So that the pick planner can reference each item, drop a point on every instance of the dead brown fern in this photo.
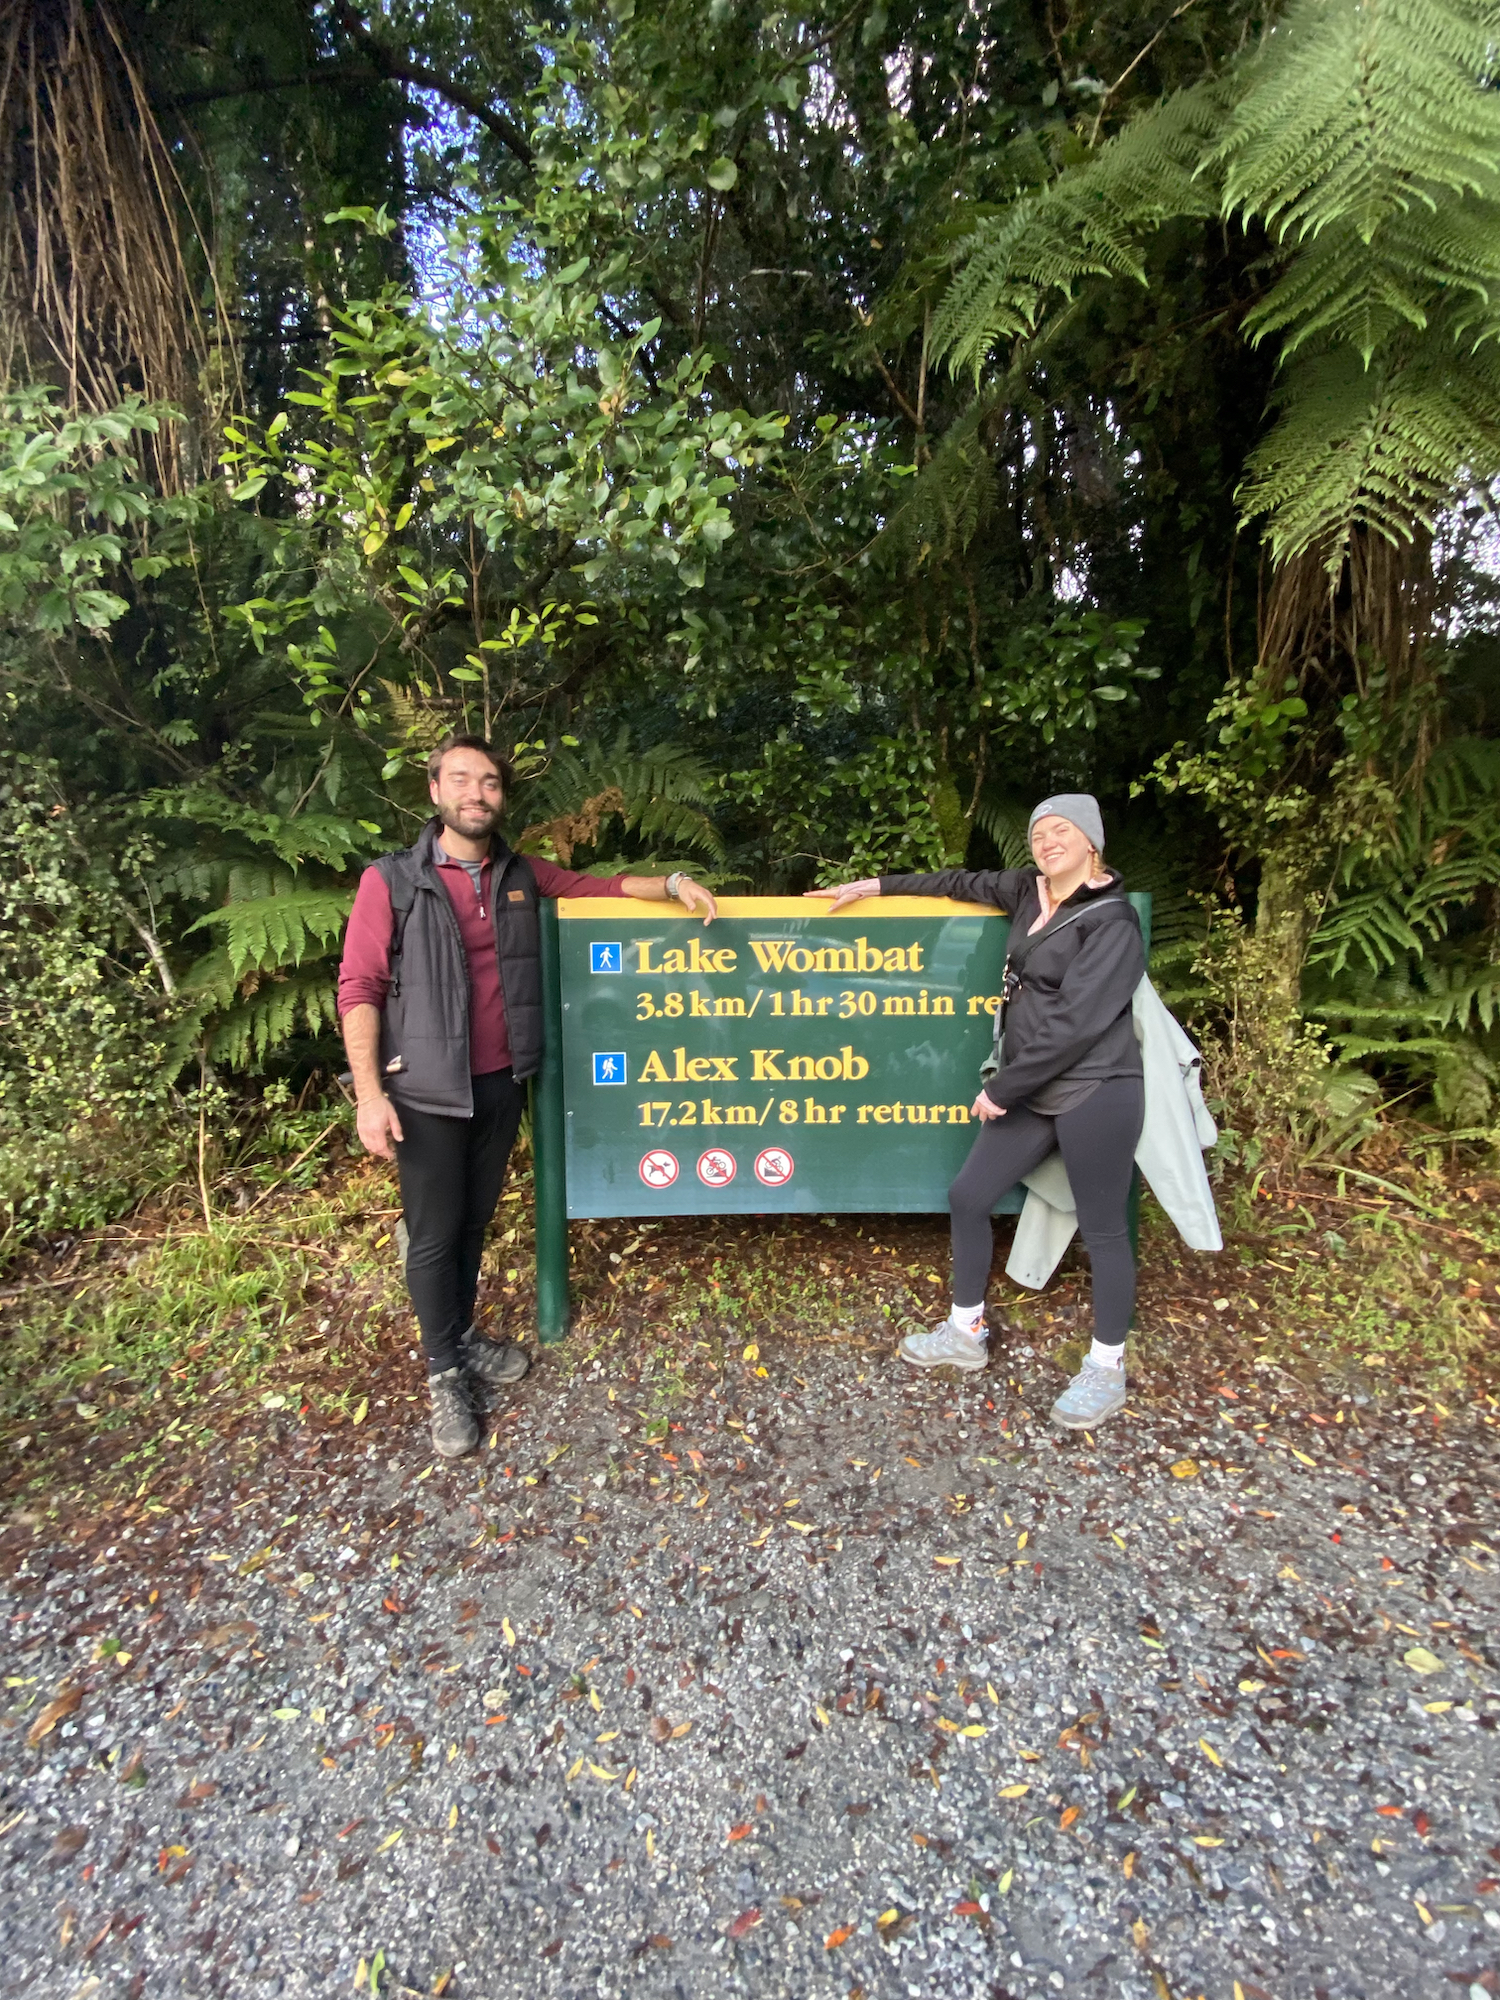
(575, 829)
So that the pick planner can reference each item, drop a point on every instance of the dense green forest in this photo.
(803, 437)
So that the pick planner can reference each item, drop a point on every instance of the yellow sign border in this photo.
(765, 907)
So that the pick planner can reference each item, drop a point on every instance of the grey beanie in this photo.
(1080, 809)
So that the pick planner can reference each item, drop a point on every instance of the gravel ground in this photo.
(846, 1683)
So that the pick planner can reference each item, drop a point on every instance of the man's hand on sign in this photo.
(847, 892)
(985, 1107)
(697, 900)
(378, 1125)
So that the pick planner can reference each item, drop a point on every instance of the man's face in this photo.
(467, 794)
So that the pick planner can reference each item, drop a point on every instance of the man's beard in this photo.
(472, 822)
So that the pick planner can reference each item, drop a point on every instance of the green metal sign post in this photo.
(777, 1060)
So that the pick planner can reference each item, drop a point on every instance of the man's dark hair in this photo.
(458, 741)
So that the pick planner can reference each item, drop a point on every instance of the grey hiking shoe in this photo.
(496, 1363)
(945, 1346)
(1094, 1394)
(455, 1428)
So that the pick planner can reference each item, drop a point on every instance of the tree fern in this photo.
(1364, 136)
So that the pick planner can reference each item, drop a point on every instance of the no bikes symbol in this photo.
(716, 1168)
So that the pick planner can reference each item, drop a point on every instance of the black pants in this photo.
(1098, 1143)
(452, 1170)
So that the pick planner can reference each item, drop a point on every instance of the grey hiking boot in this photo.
(455, 1428)
(496, 1363)
(945, 1346)
(1094, 1394)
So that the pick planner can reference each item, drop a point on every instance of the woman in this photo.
(1066, 1076)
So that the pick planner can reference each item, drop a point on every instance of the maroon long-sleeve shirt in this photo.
(365, 971)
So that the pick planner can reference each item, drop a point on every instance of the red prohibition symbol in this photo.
(716, 1168)
(774, 1167)
(658, 1168)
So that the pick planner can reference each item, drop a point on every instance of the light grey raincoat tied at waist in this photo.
(1176, 1134)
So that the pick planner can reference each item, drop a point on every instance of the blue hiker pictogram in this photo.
(606, 958)
(610, 1068)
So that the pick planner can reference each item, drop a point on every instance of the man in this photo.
(441, 1003)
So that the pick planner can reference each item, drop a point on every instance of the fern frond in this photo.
(659, 793)
(272, 931)
(1004, 820)
(1091, 222)
(251, 1031)
(320, 837)
(953, 497)
(1361, 111)
(1377, 448)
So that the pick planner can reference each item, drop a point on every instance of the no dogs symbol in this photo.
(658, 1168)
(773, 1167)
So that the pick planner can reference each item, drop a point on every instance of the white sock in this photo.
(970, 1318)
(1104, 1356)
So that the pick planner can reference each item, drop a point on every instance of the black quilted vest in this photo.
(424, 1032)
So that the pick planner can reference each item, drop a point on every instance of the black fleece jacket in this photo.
(1070, 1023)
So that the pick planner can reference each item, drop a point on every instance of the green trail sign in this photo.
(777, 1059)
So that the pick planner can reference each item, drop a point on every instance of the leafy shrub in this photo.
(88, 1119)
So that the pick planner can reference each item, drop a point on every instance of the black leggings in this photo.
(452, 1170)
(1097, 1142)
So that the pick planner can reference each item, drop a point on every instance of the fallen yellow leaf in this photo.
(1210, 1753)
(1184, 1468)
(1014, 1791)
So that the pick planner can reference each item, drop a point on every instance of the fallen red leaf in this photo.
(739, 1832)
(393, 1605)
(1390, 1812)
(745, 1921)
(1422, 1823)
(1069, 1816)
(966, 1910)
(841, 1936)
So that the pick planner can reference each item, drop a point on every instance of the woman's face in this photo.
(1058, 846)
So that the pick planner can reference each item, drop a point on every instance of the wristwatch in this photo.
(673, 884)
